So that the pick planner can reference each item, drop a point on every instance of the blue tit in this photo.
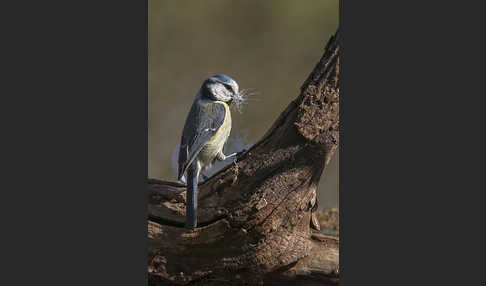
(206, 130)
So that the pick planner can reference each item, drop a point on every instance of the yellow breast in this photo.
(216, 143)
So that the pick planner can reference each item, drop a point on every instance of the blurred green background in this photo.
(270, 46)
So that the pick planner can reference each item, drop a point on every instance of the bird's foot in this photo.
(235, 155)
(231, 156)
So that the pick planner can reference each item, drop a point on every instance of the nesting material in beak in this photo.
(241, 97)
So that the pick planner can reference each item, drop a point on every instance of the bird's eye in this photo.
(229, 87)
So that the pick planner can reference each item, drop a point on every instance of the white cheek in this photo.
(220, 93)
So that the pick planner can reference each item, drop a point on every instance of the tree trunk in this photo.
(256, 215)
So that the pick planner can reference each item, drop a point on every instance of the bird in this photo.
(206, 130)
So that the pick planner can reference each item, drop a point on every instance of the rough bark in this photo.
(256, 215)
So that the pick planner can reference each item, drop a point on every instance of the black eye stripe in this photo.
(228, 87)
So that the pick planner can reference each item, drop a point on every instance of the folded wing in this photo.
(203, 121)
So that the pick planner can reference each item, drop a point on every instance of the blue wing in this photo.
(203, 121)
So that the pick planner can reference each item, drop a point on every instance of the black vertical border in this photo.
(401, 190)
(74, 143)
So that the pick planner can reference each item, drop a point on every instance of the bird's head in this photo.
(220, 87)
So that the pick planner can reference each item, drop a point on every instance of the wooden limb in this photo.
(255, 215)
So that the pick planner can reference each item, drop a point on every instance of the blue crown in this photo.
(223, 78)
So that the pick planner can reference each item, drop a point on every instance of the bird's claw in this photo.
(236, 155)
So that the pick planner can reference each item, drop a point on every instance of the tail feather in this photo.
(191, 196)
